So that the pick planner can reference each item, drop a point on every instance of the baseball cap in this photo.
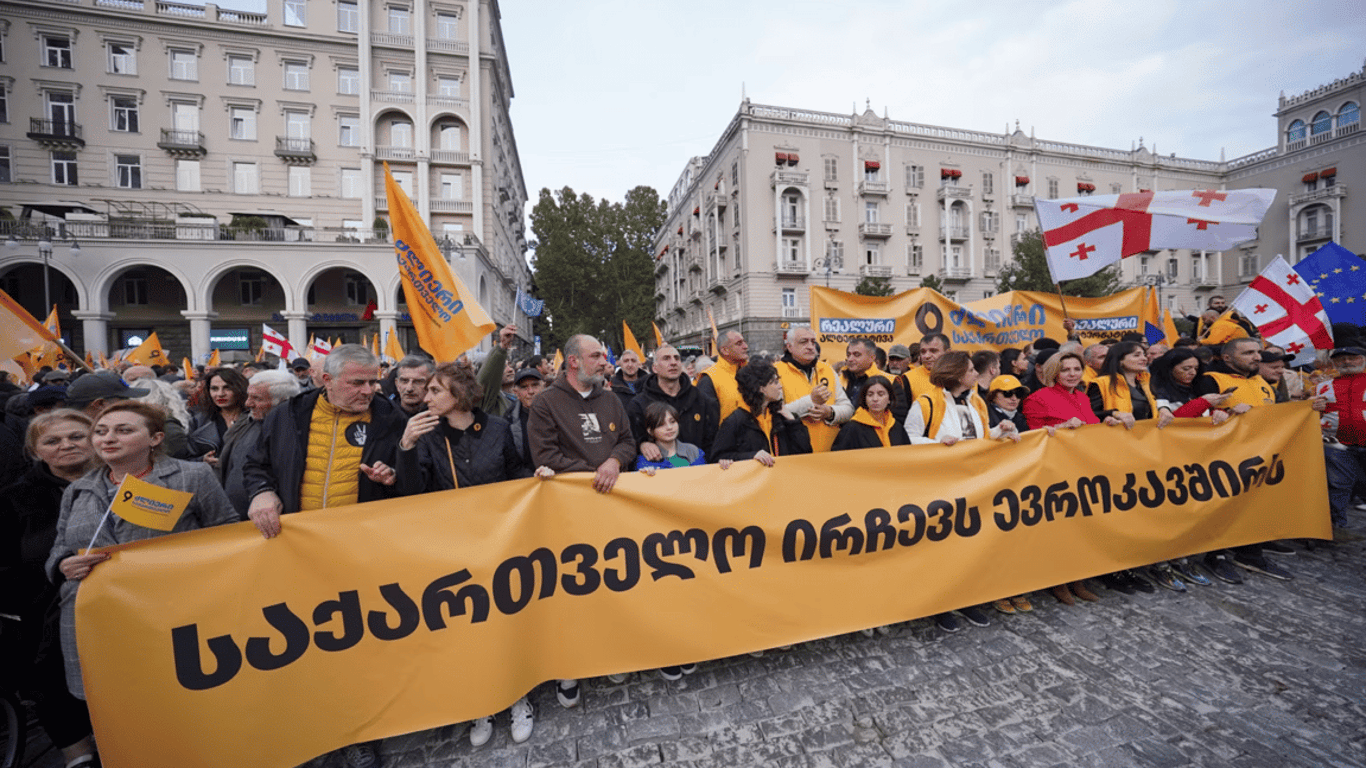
(527, 373)
(300, 362)
(1008, 384)
(1348, 351)
(1270, 357)
(899, 351)
(104, 385)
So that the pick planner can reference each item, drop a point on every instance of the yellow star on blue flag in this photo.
(1338, 279)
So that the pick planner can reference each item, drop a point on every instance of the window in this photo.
(450, 137)
(184, 65)
(832, 208)
(1143, 265)
(348, 17)
(401, 133)
(4, 103)
(735, 174)
(357, 289)
(242, 123)
(349, 126)
(870, 213)
(915, 176)
(1323, 124)
(6, 169)
(832, 166)
(404, 180)
(125, 114)
(912, 214)
(245, 180)
(296, 13)
(1350, 114)
(300, 181)
(298, 125)
(296, 76)
(399, 20)
(447, 26)
(1052, 188)
(915, 257)
(241, 70)
(452, 186)
(1021, 222)
(351, 184)
(135, 289)
(128, 171)
(122, 59)
(872, 253)
(988, 184)
(792, 250)
(1173, 268)
(448, 86)
(187, 175)
(1295, 132)
(61, 109)
(789, 298)
(871, 174)
(251, 287)
(834, 250)
(791, 211)
(991, 221)
(348, 81)
(400, 82)
(57, 51)
(64, 168)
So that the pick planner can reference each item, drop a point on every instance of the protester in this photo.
(760, 428)
(58, 442)
(860, 365)
(917, 379)
(812, 389)
(91, 392)
(988, 367)
(697, 415)
(495, 379)
(303, 371)
(1013, 363)
(1172, 386)
(265, 390)
(226, 401)
(1271, 369)
(410, 383)
(178, 418)
(1341, 400)
(718, 381)
(873, 425)
(898, 359)
(1094, 357)
(127, 438)
(526, 385)
(629, 380)
(1004, 395)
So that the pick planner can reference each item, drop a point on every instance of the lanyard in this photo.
(451, 458)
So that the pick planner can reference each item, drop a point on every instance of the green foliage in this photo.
(874, 286)
(933, 282)
(1028, 271)
(593, 264)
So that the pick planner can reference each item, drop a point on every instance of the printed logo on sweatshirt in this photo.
(588, 422)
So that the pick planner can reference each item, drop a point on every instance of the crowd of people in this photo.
(253, 443)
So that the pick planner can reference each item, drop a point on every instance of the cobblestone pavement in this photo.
(1259, 675)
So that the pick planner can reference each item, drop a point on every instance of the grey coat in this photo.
(84, 504)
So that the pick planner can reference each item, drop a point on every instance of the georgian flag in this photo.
(1286, 311)
(1083, 235)
(321, 348)
(273, 343)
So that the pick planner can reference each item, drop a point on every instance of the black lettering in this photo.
(1177, 478)
(809, 540)
(189, 671)
(1127, 498)
(347, 605)
(877, 525)
(929, 319)
(1252, 473)
(967, 520)
(294, 630)
(1217, 468)
(525, 567)
(752, 534)
(408, 615)
(1093, 490)
(588, 577)
(833, 538)
(1277, 473)
(944, 527)
(629, 550)
(1009, 521)
(659, 545)
(907, 512)
(438, 596)
(1157, 497)
(1033, 513)
(1058, 499)
(1200, 489)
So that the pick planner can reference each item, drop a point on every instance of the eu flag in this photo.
(1339, 278)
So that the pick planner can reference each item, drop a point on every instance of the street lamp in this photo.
(1157, 281)
(831, 263)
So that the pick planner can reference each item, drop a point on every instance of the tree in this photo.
(874, 286)
(592, 263)
(932, 282)
(1029, 272)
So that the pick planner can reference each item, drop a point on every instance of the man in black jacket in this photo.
(697, 415)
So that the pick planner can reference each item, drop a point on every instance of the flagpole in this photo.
(107, 511)
(72, 356)
(1061, 300)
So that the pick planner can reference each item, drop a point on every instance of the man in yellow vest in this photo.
(812, 390)
(1094, 356)
(1235, 373)
(718, 382)
(860, 365)
(918, 378)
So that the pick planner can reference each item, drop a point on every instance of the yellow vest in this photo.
(1224, 330)
(862, 416)
(797, 386)
(1254, 391)
(919, 380)
(1088, 375)
(332, 463)
(937, 405)
(722, 375)
(1120, 399)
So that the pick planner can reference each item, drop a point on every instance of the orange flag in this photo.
(445, 315)
(629, 340)
(659, 337)
(374, 344)
(215, 360)
(148, 353)
(392, 349)
(188, 368)
(19, 331)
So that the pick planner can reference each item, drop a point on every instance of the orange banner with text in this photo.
(395, 616)
(1011, 319)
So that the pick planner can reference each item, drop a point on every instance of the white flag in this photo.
(1286, 311)
(273, 343)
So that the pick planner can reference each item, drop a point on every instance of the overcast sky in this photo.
(615, 93)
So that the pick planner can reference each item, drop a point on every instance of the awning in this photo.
(1021, 181)
(57, 208)
(696, 211)
(272, 217)
(792, 158)
(780, 157)
(1328, 173)
(1308, 177)
(871, 165)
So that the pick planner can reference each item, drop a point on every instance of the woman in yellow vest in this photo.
(759, 428)
(1121, 389)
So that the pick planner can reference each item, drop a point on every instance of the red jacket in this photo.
(1054, 405)
(1347, 398)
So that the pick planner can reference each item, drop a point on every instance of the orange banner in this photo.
(377, 619)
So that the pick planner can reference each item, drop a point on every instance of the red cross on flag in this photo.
(1287, 312)
(273, 343)
(1083, 235)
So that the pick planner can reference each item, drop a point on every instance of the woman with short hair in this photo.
(759, 428)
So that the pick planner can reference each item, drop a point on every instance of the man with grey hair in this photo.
(1094, 356)
(265, 390)
(410, 384)
(718, 381)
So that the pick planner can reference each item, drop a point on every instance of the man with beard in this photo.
(697, 415)
(811, 390)
(1343, 401)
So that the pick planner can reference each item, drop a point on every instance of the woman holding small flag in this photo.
(183, 496)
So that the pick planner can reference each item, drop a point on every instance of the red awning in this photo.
(666, 250)
(792, 158)
(1308, 177)
(696, 211)
(957, 174)
(1328, 173)
(1021, 181)
(680, 230)
(1085, 187)
(945, 173)
(871, 165)
(780, 157)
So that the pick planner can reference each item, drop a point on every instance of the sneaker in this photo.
(1138, 582)
(1115, 582)
(1167, 578)
(688, 669)
(1190, 572)
(947, 622)
(1064, 595)
(1079, 589)
(1276, 548)
(975, 616)
(1004, 606)
(360, 756)
(523, 720)
(481, 731)
(1222, 569)
(618, 678)
(1263, 566)
(1022, 603)
(671, 673)
(568, 693)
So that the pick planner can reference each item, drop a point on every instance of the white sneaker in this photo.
(481, 731)
(568, 693)
(523, 720)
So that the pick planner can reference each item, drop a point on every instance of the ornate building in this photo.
(789, 198)
(198, 171)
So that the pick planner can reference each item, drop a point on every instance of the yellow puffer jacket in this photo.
(332, 465)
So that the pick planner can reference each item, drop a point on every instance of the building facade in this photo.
(790, 198)
(198, 171)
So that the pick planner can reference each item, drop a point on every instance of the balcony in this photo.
(788, 178)
(874, 270)
(440, 45)
(915, 269)
(454, 102)
(1206, 281)
(295, 150)
(1327, 193)
(956, 232)
(62, 134)
(1022, 201)
(182, 143)
(792, 224)
(792, 313)
(391, 97)
(874, 188)
(1315, 233)
(955, 274)
(716, 200)
(445, 205)
(792, 268)
(395, 153)
(391, 40)
(450, 157)
(953, 193)
(874, 229)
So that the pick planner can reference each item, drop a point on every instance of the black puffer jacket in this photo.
(485, 453)
(740, 437)
(698, 416)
